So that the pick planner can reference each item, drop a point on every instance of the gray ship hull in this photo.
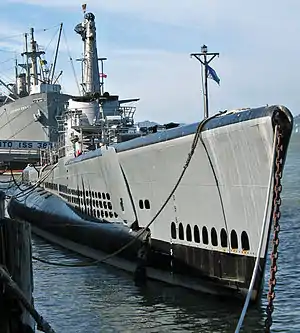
(30, 118)
(17, 120)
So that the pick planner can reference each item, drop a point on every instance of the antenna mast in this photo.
(206, 60)
(56, 53)
(102, 75)
(27, 63)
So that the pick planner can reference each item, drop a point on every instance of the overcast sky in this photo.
(148, 44)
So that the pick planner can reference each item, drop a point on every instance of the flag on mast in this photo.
(211, 74)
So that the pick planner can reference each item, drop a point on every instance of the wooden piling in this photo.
(16, 260)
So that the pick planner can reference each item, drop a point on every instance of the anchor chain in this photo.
(276, 227)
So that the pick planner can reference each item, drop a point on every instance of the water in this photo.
(103, 299)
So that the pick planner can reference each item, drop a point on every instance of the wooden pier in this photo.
(15, 265)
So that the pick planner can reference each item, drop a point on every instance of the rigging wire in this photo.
(71, 61)
(22, 34)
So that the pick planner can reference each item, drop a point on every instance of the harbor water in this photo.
(104, 299)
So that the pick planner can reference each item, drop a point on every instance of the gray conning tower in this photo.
(90, 68)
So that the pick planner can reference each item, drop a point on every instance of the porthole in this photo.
(214, 237)
(188, 233)
(147, 204)
(102, 213)
(94, 212)
(196, 234)
(87, 193)
(224, 238)
(204, 235)
(111, 215)
(97, 203)
(106, 214)
(98, 213)
(181, 232)
(173, 230)
(109, 205)
(99, 195)
(92, 194)
(94, 203)
(105, 204)
(103, 195)
(101, 205)
(107, 196)
(141, 204)
(234, 240)
(116, 215)
(245, 241)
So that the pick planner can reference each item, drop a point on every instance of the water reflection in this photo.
(104, 299)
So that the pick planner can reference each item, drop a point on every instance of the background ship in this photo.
(202, 192)
(29, 106)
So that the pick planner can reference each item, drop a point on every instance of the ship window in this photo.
(98, 213)
(224, 240)
(196, 234)
(97, 204)
(106, 214)
(111, 215)
(245, 241)
(205, 235)
(141, 204)
(101, 205)
(92, 194)
(214, 237)
(105, 204)
(173, 230)
(94, 203)
(109, 206)
(94, 212)
(107, 196)
(234, 240)
(188, 233)
(147, 204)
(103, 195)
(99, 195)
(87, 193)
(181, 232)
(87, 201)
(116, 215)
(102, 213)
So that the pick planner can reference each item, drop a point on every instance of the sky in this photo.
(148, 46)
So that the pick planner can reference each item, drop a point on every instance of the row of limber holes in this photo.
(195, 236)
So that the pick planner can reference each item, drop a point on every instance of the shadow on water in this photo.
(104, 299)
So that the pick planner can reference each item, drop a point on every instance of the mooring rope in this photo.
(265, 219)
(41, 322)
(142, 231)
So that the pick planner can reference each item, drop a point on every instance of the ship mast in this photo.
(90, 71)
(52, 72)
(27, 63)
(206, 60)
(33, 54)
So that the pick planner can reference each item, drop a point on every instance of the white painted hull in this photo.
(222, 194)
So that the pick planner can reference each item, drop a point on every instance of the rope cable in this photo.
(142, 231)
